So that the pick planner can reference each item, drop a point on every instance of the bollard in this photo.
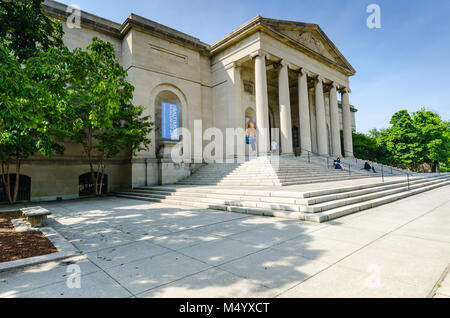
(409, 188)
(382, 173)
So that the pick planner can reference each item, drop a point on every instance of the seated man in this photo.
(338, 165)
(368, 166)
(373, 168)
(337, 161)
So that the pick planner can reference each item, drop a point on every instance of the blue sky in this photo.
(403, 65)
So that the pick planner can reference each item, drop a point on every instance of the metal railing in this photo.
(351, 168)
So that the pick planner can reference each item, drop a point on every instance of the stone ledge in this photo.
(65, 249)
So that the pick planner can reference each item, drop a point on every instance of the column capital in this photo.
(260, 53)
(345, 90)
(284, 63)
(319, 79)
(303, 71)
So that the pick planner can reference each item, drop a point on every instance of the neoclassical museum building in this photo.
(273, 73)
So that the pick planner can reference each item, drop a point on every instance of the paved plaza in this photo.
(138, 249)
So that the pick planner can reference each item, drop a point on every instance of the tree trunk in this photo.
(16, 186)
(7, 180)
(88, 150)
(101, 167)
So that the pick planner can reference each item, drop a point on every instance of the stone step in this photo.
(350, 209)
(280, 182)
(269, 178)
(317, 217)
(267, 196)
(308, 194)
(291, 204)
(322, 207)
(271, 193)
(274, 174)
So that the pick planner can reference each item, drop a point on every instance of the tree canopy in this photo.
(412, 140)
(50, 94)
(31, 80)
(105, 122)
(25, 30)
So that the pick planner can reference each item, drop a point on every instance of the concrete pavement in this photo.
(138, 249)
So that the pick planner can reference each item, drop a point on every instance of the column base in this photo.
(348, 155)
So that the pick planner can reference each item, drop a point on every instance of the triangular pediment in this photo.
(311, 38)
(310, 41)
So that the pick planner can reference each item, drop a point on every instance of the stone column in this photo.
(287, 148)
(347, 124)
(335, 123)
(305, 119)
(262, 104)
(322, 138)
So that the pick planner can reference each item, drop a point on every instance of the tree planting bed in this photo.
(16, 246)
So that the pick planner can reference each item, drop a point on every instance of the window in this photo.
(249, 87)
(24, 188)
(87, 187)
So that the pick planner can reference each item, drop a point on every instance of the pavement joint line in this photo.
(421, 238)
(107, 274)
(174, 281)
(441, 279)
(211, 266)
(363, 247)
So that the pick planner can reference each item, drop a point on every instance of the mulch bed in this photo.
(15, 246)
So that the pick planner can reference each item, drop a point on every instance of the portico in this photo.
(293, 77)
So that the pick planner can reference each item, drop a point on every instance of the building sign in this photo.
(170, 121)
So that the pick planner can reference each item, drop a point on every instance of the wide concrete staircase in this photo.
(315, 206)
(268, 171)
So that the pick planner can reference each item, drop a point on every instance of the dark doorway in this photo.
(24, 188)
(87, 186)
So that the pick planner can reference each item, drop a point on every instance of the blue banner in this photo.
(170, 121)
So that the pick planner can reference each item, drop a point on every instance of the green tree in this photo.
(25, 30)
(414, 139)
(400, 140)
(28, 112)
(30, 79)
(433, 137)
(365, 147)
(105, 122)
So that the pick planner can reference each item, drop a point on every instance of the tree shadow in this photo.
(231, 255)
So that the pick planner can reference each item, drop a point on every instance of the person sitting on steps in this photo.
(338, 165)
(368, 166)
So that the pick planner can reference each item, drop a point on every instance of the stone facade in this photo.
(286, 75)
